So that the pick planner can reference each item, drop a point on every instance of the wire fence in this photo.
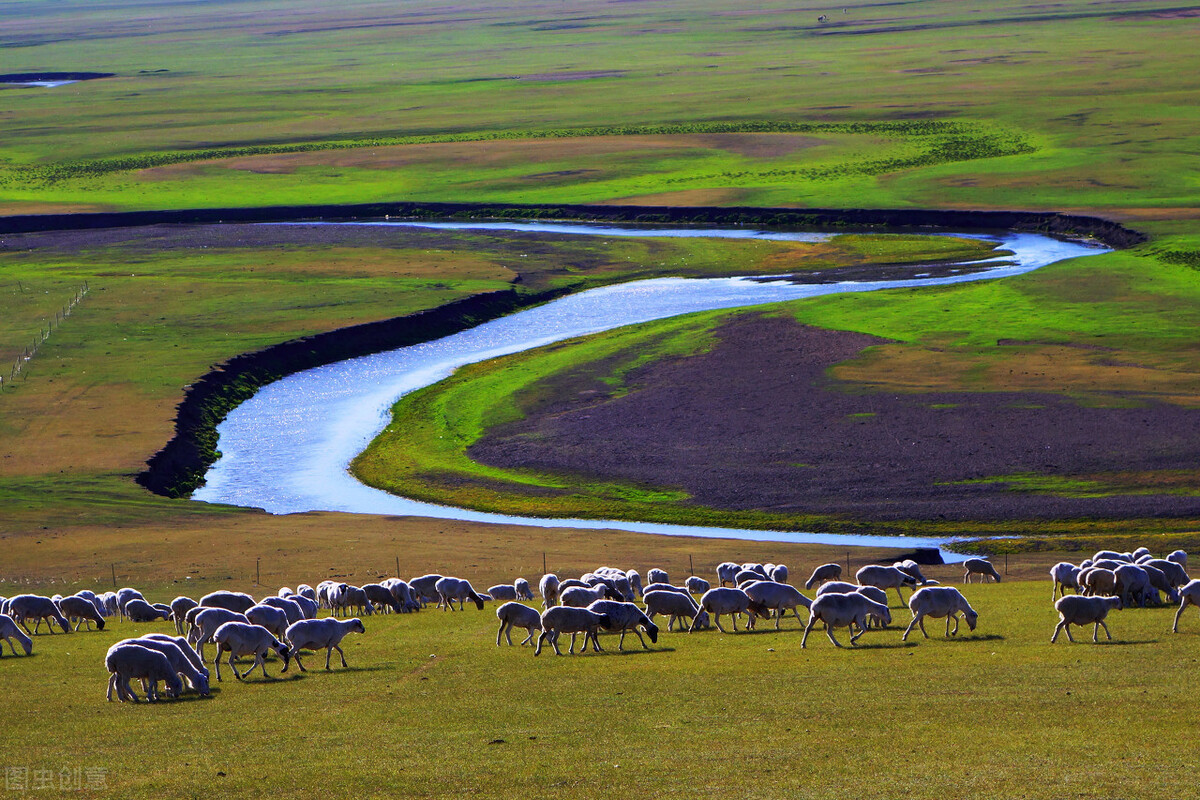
(29, 351)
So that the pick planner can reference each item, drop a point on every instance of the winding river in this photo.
(287, 449)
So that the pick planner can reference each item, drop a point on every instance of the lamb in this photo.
(1189, 595)
(842, 611)
(232, 601)
(727, 571)
(981, 567)
(517, 615)
(9, 630)
(179, 608)
(523, 590)
(451, 589)
(379, 595)
(697, 585)
(206, 622)
(779, 573)
(1065, 576)
(779, 597)
(675, 607)
(548, 588)
(1096, 581)
(245, 639)
(81, 609)
(1078, 610)
(939, 601)
(885, 578)
(657, 576)
(502, 591)
(620, 617)
(33, 606)
(273, 619)
(138, 610)
(425, 587)
(197, 677)
(568, 619)
(127, 661)
(313, 634)
(295, 610)
(724, 600)
(579, 597)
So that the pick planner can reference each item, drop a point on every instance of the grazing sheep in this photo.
(665, 587)
(345, 598)
(842, 611)
(323, 590)
(778, 597)
(1079, 610)
(294, 609)
(9, 630)
(1096, 582)
(1179, 557)
(759, 569)
(779, 573)
(657, 576)
(379, 595)
(33, 606)
(838, 587)
(727, 571)
(676, 607)
(548, 588)
(1188, 595)
(568, 619)
(502, 591)
(188, 651)
(124, 595)
(872, 593)
(180, 606)
(1111, 555)
(748, 576)
(1108, 563)
(138, 610)
(580, 597)
(1132, 584)
(246, 639)
(178, 656)
(127, 661)
(517, 615)
(635, 581)
(1176, 574)
(273, 619)
(620, 616)
(451, 589)
(231, 601)
(403, 593)
(981, 567)
(697, 585)
(206, 622)
(524, 592)
(1159, 581)
(1065, 576)
(885, 578)
(725, 600)
(81, 609)
(313, 634)
(912, 568)
(307, 592)
(425, 587)
(937, 602)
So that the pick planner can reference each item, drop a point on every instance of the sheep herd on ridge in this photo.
(287, 623)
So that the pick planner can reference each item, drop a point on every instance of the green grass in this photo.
(435, 709)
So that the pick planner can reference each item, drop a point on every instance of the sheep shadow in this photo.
(981, 637)
(639, 651)
(879, 646)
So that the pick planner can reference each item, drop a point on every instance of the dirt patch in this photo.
(758, 423)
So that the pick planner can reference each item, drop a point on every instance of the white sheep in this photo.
(1065, 576)
(517, 615)
(246, 639)
(981, 567)
(9, 630)
(1179, 557)
(1175, 572)
(180, 657)
(1132, 585)
(1079, 610)
(502, 591)
(568, 619)
(401, 591)
(33, 606)
(232, 601)
(696, 585)
(1160, 583)
(138, 610)
(425, 587)
(524, 592)
(313, 634)
(1188, 595)
(294, 609)
(838, 587)
(727, 600)
(581, 597)
(938, 602)
(759, 569)
(81, 609)
(206, 622)
(778, 573)
(346, 598)
(727, 571)
(124, 595)
(377, 595)
(635, 581)
(129, 661)
(548, 588)
(748, 576)
(676, 607)
(657, 576)
(912, 568)
(273, 619)
(188, 651)
(620, 616)
(451, 589)
(842, 611)
(180, 606)
(872, 593)
(1097, 581)
(778, 597)
(885, 578)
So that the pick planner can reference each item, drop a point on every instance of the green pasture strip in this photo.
(437, 709)
(1165, 482)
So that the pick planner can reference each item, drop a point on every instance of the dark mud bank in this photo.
(1106, 231)
(177, 469)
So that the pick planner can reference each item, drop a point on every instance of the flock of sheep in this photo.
(602, 600)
